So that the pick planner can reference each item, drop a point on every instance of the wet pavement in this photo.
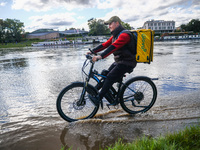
(31, 79)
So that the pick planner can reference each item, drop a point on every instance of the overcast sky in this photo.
(64, 14)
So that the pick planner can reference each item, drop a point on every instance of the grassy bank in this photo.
(27, 42)
(188, 139)
(20, 44)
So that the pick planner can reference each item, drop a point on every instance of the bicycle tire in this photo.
(138, 95)
(67, 103)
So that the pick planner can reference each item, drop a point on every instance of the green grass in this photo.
(20, 44)
(188, 139)
(64, 148)
(28, 42)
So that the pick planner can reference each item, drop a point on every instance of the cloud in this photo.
(60, 23)
(196, 2)
(3, 4)
(45, 5)
(56, 21)
(133, 12)
(137, 12)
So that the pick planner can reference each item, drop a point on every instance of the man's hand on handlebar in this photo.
(96, 58)
(91, 52)
(88, 53)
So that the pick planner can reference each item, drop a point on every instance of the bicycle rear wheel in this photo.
(67, 103)
(138, 95)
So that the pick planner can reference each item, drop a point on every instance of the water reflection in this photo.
(31, 79)
(13, 63)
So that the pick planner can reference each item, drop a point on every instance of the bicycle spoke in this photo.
(138, 105)
(125, 98)
(139, 95)
(71, 108)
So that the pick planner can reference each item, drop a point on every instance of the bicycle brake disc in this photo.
(77, 106)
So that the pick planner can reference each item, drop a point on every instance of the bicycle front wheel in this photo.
(138, 95)
(68, 102)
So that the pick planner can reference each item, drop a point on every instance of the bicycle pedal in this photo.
(101, 102)
(108, 106)
(113, 104)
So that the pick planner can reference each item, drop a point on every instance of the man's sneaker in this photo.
(110, 98)
(94, 99)
(112, 104)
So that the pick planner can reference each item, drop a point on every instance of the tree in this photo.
(193, 25)
(11, 30)
(72, 28)
(1, 30)
(126, 25)
(97, 27)
(183, 27)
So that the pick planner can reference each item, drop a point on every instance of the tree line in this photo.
(193, 25)
(11, 30)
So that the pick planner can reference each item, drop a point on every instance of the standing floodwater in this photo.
(31, 79)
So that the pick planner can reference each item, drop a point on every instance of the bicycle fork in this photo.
(81, 99)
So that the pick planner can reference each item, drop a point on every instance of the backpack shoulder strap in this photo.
(123, 31)
(133, 44)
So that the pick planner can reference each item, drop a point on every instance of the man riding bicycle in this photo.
(122, 46)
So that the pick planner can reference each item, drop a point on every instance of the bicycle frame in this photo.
(94, 75)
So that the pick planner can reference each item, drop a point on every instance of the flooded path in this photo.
(108, 127)
(31, 79)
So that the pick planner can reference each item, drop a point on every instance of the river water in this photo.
(31, 79)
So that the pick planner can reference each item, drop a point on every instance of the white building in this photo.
(160, 26)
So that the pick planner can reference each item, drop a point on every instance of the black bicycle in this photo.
(137, 95)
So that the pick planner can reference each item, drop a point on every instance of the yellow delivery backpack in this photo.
(144, 48)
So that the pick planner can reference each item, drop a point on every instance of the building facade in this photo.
(46, 35)
(160, 26)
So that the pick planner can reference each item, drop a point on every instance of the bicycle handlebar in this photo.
(88, 56)
(92, 52)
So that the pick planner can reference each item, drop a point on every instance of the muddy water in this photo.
(31, 78)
